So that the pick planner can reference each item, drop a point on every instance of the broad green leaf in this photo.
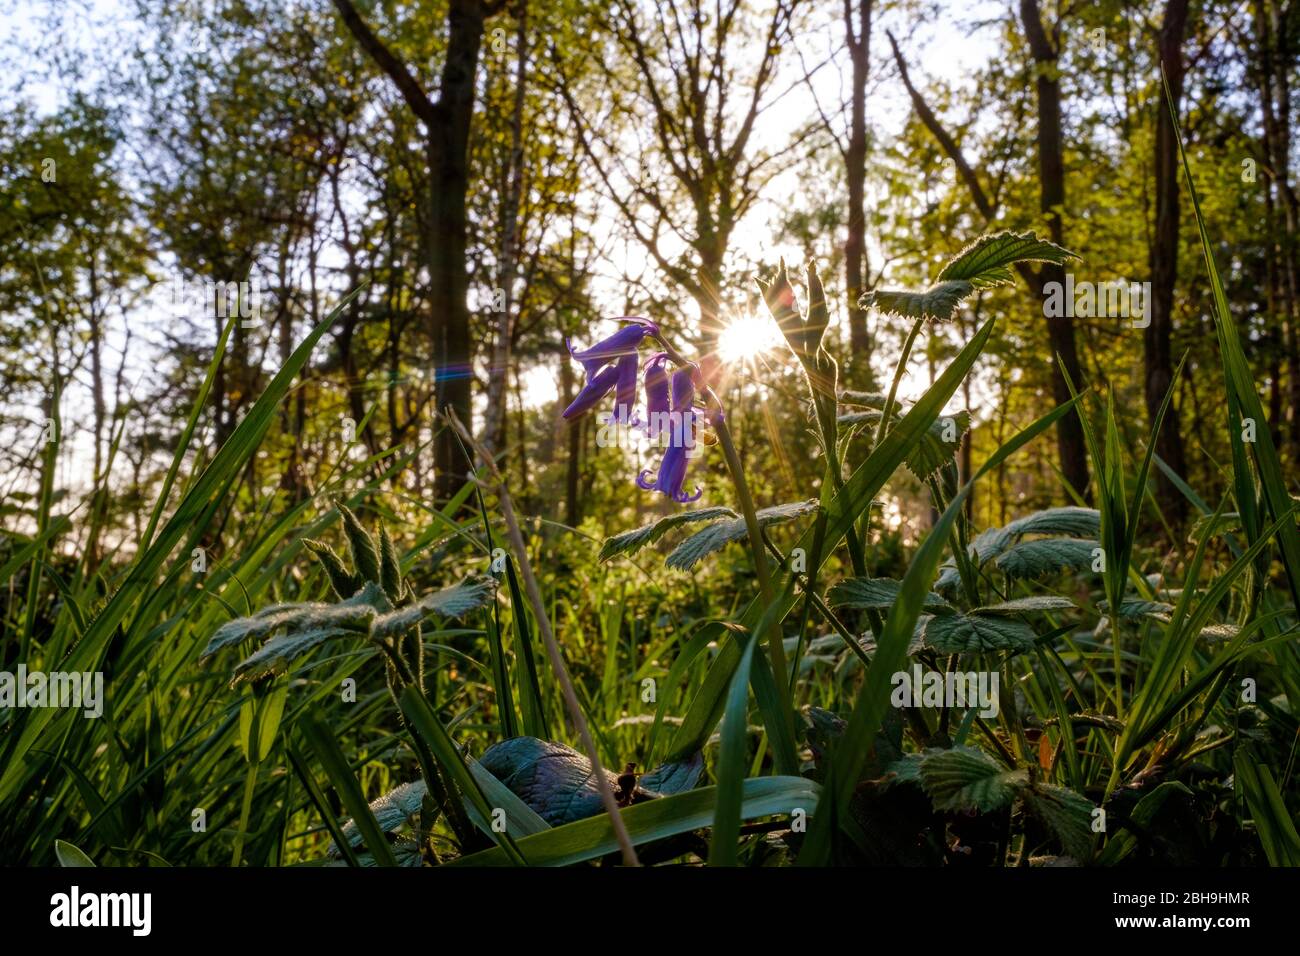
(1067, 814)
(629, 542)
(937, 302)
(877, 593)
(1044, 556)
(718, 535)
(964, 778)
(986, 263)
(962, 633)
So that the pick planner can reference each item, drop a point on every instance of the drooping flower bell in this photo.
(657, 406)
(612, 363)
(682, 440)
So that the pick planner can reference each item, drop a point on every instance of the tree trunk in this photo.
(1164, 268)
(856, 269)
(446, 146)
(447, 149)
(495, 424)
(1051, 174)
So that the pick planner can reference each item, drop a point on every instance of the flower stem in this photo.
(776, 647)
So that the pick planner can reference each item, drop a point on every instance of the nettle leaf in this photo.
(906, 769)
(343, 581)
(990, 543)
(1072, 521)
(716, 536)
(391, 811)
(1043, 556)
(472, 593)
(986, 263)
(365, 555)
(937, 302)
(964, 778)
(877, 593)
(938, 444)
(629, 542)
(275, 655)
(1067, 814)
(1136, 607)
(306, 631)
(1038, 602)
(959, 633)
(354, 613)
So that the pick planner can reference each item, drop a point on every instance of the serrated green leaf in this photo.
(717, 536)
(987, 262)
(459, 599)
(275, 655)
(1071, 521)
(959, 633)
(354, 613)
(1067, 814)
(937, 302)
(964, 778)
(1031, 559)
(1037, 602)
(629, 542)
(877, 593)
(390, 811)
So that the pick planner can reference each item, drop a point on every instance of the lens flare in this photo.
(746, 337)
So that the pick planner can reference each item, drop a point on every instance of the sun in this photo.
(746, 337)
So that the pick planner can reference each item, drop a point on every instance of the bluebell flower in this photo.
(657, 405)
(681, 442)
(612, 364)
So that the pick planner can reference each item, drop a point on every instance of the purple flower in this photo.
(612, 363)
(681, 442)
(656, 394)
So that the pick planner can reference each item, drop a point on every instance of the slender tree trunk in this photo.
(1163, 252)
(856, 267)
(447, 126)
(1273, 59)
(495, 424)
(447, 148)
(1051, 172)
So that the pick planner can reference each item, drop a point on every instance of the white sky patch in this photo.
(539, 388)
